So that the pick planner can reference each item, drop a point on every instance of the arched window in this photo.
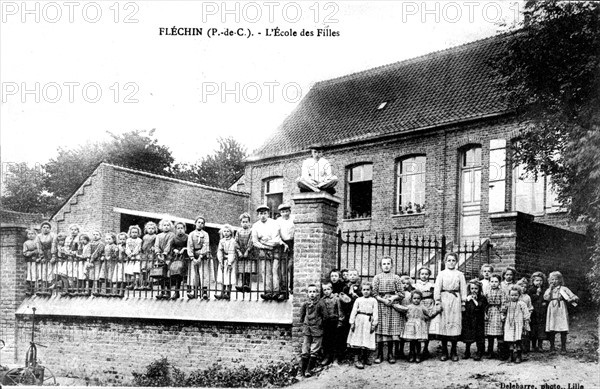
(410, 184)
(359, 191)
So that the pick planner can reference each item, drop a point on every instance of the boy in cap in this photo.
(266, 239)
(317, 174)
(286, 230)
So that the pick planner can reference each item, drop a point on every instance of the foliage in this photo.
(551, 70)
(23, 190)
(134, 149)
(162, 373)
(220, 169)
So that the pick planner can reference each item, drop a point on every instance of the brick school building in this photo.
(422, 150)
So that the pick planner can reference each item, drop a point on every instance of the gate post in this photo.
(315, 245)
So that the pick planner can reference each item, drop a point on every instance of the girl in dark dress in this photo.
(540, 306)
(473, 320)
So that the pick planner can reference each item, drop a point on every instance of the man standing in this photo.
(317, 175)
(266, 239)
(286, 231)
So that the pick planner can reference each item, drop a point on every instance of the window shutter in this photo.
(497, 176)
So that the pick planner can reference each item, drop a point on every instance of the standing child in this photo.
(118, 275)
(523, 283)
(134, 257)
(538, 316)
(84, 257)
(415, 329)
(198, 249)
(72, 247)
(31, 254)
(426, 287)
(59, 256)
(493, 314)
(227, 259)
(108, 259)
(163, 247)
(332, 325)
(148, 254)
(352, 291)
(311, 317)
(515, 314)
(46, 268)
(337, 285)
(473, 324)
(509, 278)
(557, 316)
(387, 289)
(363, 319)
(178, 268)
(486, 272)
(407, 289)
(451, 293)
(345, 276)
(245, 254)
(286, 229)
(97, 248)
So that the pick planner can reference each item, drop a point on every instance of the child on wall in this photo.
(46, 268)
(133, 252)
(496, 299)
(198, 250)
(148, 255)
(59, 256)
(108, 259)
(227, 259)
(31, 254)
(245, 254)
(332, 324)
(363, 320)
(473, 324)
(451, 293)
(426, 287)
(72, 247)
(178, 268)
(311, 317)
(538, 316)
(97, 249)
(118, 275)
(515, 314)
(163, 247)
(557, 316)
(387, 289)
(83, 266)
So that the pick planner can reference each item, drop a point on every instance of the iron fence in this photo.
(363, 252)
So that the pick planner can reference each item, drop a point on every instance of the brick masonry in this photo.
(442, 148)
(107, 351)
(108, 187)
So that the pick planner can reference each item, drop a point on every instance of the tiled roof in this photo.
(439, 88)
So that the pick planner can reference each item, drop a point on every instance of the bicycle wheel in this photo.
(19, 376)
(47, 379)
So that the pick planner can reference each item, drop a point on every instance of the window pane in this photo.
(273, 202)
(274, 186)
(361, 173)
(467, 181)
(472, 157)
(360, 196)
(529, 192)
(411, 183)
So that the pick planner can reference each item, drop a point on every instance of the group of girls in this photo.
(499, 308)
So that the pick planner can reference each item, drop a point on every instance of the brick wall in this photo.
(12, 285)
(109, 187)
(108, 350)
(442, 149)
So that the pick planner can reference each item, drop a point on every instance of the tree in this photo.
(24, 190)
(551, 70)
(134, 149)
(220, 169)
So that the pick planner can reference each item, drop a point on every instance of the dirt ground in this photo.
(578, 367)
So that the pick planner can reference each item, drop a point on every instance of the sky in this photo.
(71, 71)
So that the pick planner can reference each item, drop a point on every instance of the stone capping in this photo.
(313, 197)
(235, 311)
(497, 216)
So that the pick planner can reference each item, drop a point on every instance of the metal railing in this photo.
(363, 252)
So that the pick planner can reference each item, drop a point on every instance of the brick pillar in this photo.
(12, 287)
(315, 244)
(504, 237)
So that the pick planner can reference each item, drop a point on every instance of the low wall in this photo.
(108, 350)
